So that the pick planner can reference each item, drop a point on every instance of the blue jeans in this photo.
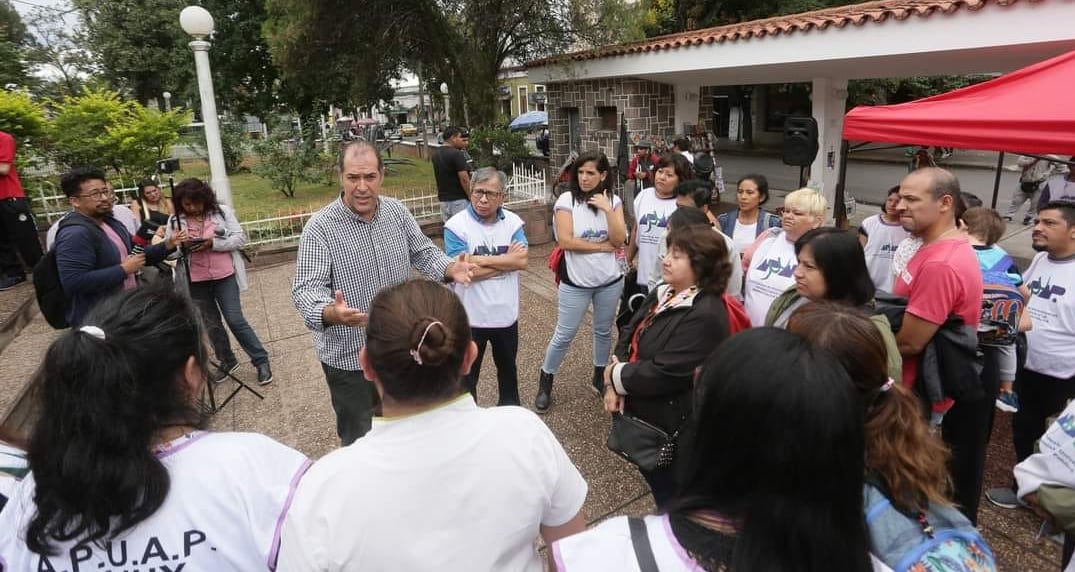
(573, 303)
(224, 294)
(449, 208)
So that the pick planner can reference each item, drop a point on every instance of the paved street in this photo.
(868, 181)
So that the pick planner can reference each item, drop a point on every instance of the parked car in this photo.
(408, 130)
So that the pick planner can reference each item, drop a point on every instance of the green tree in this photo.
(143, 137)
(498, 148)
(285, 160)
(21, 116)
(139, 44)
(142, 49)
(79, 128)
(59, 52)
(342, 56)
(13, 66)
(101, 129)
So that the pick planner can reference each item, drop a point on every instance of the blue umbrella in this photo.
(529, 120)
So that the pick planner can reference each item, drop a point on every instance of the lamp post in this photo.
(167, 100)
(444, 101)
(197, 22)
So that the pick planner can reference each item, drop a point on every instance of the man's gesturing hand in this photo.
(340, 313)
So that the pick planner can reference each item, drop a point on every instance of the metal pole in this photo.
(218, 173)
(839, 208)
(996, 180)
(421, 112)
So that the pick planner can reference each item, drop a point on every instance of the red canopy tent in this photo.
(1028, 111)
(1031, 110)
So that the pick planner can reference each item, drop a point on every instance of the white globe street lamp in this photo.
(197, 22)
(167, 100)
(444, 99)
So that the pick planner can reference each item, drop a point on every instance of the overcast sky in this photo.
(25, 7)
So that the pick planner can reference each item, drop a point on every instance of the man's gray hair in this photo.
(487, 173)
(358, 146)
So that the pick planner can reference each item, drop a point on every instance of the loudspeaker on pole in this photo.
(800, 140)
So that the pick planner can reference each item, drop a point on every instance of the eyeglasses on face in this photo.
(483, 193)
(96, 194)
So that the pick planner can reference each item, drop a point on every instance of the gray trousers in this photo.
(1019, 197)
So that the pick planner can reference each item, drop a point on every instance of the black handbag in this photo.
(1029, 187)
(647, 446)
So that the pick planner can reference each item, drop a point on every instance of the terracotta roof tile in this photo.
(841, 16)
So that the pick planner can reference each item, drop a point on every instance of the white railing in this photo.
(526, 186)
(48, 208)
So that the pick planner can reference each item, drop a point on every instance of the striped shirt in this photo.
(341, 251)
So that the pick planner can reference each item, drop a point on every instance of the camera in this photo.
(167, 166)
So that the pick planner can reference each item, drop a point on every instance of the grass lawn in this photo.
(255, 199)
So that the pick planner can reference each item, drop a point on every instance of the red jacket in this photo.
(632, 167)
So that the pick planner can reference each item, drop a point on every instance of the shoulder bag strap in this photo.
(640, 541)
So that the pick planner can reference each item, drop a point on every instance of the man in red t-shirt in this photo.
(17, 227)
(941, 280)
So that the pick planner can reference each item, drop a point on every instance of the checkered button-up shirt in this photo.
(341, 251)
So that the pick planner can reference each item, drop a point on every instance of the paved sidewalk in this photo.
(297, 412)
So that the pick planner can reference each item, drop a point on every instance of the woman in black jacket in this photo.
(679, 324)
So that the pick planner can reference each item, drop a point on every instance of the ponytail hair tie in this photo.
(888, 385)
(93, 331)
(416, 353)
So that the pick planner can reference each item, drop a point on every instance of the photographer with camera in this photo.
(215, 272)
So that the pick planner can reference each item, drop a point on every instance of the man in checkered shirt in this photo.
(350, 250)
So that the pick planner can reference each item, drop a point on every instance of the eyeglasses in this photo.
(97, 194)
(482, 193)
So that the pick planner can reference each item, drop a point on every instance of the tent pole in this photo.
(996, 181)
(839, 209)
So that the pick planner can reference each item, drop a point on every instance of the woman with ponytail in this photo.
(679, 323)
(908, 510)
(437, 483)
(899, 446)
(122, 474)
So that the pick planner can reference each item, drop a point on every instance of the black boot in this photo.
(544, 394)
(599, 379)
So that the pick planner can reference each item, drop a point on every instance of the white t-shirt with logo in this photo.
(1052, 311)
(652, 214)
(224, 509)
(454, 488)
(882, 240)
(589, 269)
(493, 302)
(769, 274)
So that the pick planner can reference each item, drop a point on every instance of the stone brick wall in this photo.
(648, 106)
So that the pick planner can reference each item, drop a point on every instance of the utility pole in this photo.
(421, 112)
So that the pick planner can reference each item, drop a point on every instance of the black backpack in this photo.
(704, 166)
(50, 296)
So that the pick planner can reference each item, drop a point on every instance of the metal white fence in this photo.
(526, 186)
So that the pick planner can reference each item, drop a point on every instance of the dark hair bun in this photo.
(432, 341)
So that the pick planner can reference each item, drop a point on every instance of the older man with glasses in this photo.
(94, 254)
(491, 237)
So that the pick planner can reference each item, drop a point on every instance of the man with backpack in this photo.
(942, 280)
(93, 256)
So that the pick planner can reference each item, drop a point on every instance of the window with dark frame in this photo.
(608, 118)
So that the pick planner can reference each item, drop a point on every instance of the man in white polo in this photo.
(492, 239)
